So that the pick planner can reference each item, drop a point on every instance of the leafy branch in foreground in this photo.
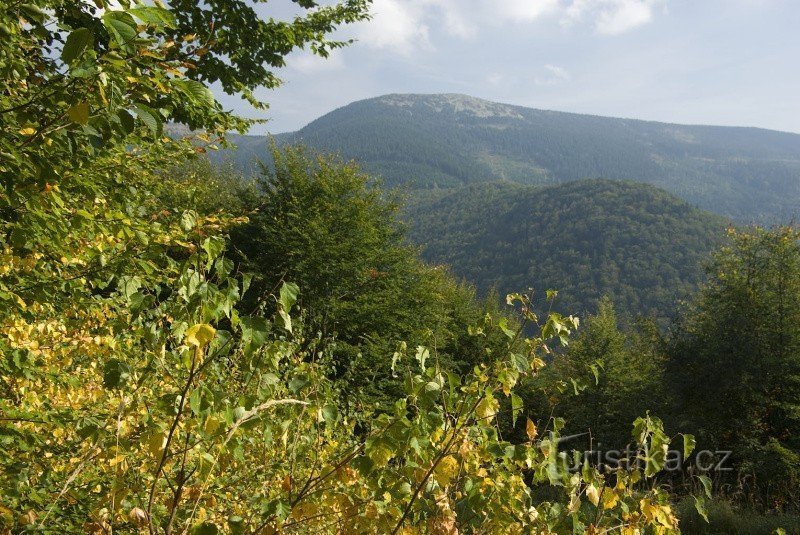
(136, 393)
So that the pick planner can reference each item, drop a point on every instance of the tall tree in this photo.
(608, 376)
(735, 363)
(329, 227)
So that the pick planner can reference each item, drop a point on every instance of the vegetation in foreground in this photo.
(142, 393)
(162, 372)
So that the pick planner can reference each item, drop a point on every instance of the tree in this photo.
(138, 394)
(327, 226)
(605, 378)
(735, 361)
(231, 43)
(85, 93)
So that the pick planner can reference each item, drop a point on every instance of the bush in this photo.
(725, 518)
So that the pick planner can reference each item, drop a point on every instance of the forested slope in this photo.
(429, 141)
(636, 243)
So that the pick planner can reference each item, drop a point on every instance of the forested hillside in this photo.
(183, 350)
(162, 372)
(636, 243)
(430, 141)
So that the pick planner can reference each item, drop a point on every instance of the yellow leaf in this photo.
(610, 498)
(200, 335)
(156, 443)
(27, 131)
(593, 494)
(381, 455)
(211, 425)
(574, 504)
(79, 113)
(530, 429)
(446, 470)
(28, 519)
(636, 475)
(487, 408)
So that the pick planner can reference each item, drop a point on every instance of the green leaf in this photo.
(126, 120)
(236, 525)
(422, 356)
(206, 528)
(700, 506)
(79, 113)
(32, 13)
(150, 118)
(689, 444)
(188, 220)
(76, 44)
(157, 16)
(298, 383)
(213, 246)
(707, 486)
(195, 401)
(197, 93)
(503, 324)
(363, 464)
(640, 430)
(238, 413)
(288, 295)
(404, 489)
(396, 356)
(595, 369)
(129, 285)
(287, 320)
(330, 414)
(255, 332)
(520, 362)
(516, 408)
(115, 373)
(121, 27)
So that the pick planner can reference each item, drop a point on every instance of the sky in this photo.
(723, 62)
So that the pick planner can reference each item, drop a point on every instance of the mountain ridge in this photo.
(449, 140)
(466, 97)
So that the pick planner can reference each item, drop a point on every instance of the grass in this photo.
(728, 519)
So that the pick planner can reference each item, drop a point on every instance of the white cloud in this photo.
(405, 26)
(307, 63)
(524, 10)
(451, 15)
(397, 25)
(624, 16)
(553, 75)
(495, 79)
(611, 17)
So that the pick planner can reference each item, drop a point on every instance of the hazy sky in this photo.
(727, 62)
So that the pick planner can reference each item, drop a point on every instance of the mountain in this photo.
(441, 141)
(636, 243)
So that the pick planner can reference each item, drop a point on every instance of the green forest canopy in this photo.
(635, 243)
(145, 389)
